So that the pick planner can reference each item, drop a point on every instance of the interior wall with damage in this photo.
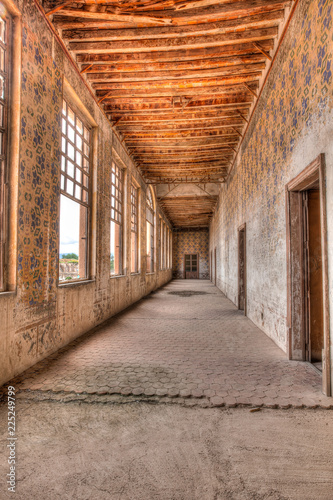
(291, 126)
(39, 316)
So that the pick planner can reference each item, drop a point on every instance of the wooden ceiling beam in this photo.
(212, 13)
(190, 136)
(169, 160)
(151, 76)
(174, 66)
(228, 104)
(263, 20)
(185, 166)
(174, 56)
(175, 118)
(212, 87)
(176, 145)
(173, 44)
(134, 19)
(180, 127)
(132, 130)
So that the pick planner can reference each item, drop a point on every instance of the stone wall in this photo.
(190, 242)
(40, 316)
(292, 125)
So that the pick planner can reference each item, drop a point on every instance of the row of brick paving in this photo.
(184, 341)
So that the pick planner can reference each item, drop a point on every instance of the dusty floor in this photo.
(185, 341)
(157, 404)
(140, 451)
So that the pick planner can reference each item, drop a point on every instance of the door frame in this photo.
(191, 261)
(312, 174)
(242, 228)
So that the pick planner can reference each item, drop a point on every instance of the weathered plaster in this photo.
(292, 125)
(41, 316)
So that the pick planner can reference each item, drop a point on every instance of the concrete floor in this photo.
(158, 404)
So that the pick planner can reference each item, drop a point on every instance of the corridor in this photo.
(185, 343)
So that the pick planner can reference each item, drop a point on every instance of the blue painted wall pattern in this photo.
(300, 91)
(38, 225)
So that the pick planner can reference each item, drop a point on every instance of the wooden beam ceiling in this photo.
(177, 80)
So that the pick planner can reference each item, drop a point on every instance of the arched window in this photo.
(150, 213)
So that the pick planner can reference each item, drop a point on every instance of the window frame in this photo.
(135, 211)
(4, 149)
(76, 167)
(150, 208)
(79, 108)
(10, 181)
(121, 213)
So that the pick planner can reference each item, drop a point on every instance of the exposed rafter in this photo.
(178, 80)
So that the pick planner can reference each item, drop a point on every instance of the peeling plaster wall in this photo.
(292, 125)
(190, 242)
(40, 316)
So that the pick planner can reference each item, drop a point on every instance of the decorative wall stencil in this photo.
(293, 111)
(191, 242)
(39, 173)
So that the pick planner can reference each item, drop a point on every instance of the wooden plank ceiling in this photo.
(177, 80)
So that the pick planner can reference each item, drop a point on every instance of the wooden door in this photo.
(242, 269)
(313, 277)
(215, 266)
(191, 266)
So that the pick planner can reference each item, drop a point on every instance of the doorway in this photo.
(191, 266)
(313, 279)
(308, 312)
(242, 268)
(215, 266)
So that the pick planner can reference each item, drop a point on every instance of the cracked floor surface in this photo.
(184, 341)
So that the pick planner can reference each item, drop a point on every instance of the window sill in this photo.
(148, 274)
(136, 274)
(61, 284)
(117, 276)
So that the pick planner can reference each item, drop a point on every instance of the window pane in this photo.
(115, 249)
(2, 59)
(70, 187)
(79, 126)
(2, 30)
(70, 168)
(78, 175)
(70, 151)
(70, 133)
(78, 142)
(78, 159)
(73, 241)
(77, 192)
(71, 116)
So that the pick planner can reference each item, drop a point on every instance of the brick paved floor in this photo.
(196, 348)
